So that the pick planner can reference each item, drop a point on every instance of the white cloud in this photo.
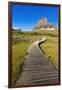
(15, 27)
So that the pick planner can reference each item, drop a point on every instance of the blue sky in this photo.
(26, 17)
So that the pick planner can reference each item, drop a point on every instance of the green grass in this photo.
(50, 48)
(19, 49)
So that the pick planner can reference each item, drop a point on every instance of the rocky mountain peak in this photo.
(43, 24)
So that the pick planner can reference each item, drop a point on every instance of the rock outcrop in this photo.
(43, 24)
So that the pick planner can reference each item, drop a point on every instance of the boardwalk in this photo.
(37, 70)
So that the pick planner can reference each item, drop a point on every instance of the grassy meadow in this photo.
(21, 42)
(50, 48)
(19, 50)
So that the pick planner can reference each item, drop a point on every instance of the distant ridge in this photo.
(16, 29)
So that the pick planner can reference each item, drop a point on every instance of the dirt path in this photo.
(37, 70)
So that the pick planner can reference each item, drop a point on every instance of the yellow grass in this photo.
(19, 50)
(50, 48)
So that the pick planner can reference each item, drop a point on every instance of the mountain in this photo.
(43, 24)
